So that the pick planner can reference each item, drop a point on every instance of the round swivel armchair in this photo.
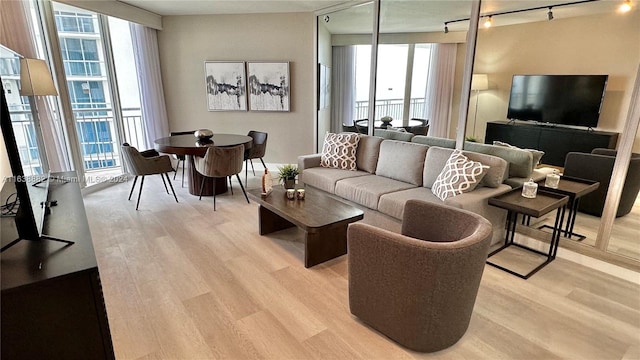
(419, 287)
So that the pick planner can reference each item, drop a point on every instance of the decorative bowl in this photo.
(203, 134)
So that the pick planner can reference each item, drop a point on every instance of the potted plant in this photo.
(287, 175)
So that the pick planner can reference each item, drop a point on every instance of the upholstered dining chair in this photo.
(221, 162)
(180, 158)
(419, 287)
(256, 151)
(144, 163)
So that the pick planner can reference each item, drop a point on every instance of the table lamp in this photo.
(36, 80)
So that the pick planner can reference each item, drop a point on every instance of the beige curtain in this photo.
(16, 33)
(439, 96)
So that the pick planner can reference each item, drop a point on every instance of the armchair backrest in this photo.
(221, 161)
(259, 145)
(598, 166)
(137, 164)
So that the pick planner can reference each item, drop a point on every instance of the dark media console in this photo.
(51, 302)
(555, 141)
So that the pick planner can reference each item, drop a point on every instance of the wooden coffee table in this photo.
(323, 219)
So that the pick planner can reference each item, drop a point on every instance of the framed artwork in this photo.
(268, 86)
(226, 85)
(324, 86)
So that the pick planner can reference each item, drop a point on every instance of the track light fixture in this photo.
(625, 7)
(487, 23)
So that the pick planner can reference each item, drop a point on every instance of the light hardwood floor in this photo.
(183, 282)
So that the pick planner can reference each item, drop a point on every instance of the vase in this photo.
(290, 183)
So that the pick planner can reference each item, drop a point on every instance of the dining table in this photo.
(190, 146)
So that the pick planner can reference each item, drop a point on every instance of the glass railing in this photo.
(390, 107)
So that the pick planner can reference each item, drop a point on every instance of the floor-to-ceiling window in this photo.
(94, 67)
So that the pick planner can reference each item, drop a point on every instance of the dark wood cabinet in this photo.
(51, 301)
(555, 141)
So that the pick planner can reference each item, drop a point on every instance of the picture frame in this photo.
(225, 85)
(268, 86)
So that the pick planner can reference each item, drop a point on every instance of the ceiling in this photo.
(396, 15)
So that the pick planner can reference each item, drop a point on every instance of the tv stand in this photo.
(555, 141)
(52, 303)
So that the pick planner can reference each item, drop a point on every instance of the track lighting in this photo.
(446, 28)
(625, 7)
(488, 22)
(550, 14)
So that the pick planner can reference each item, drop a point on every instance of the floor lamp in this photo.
(478, 82)
(36, 80)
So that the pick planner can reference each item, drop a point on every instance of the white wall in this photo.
(600, 44)
(5, 169)
(187, 41)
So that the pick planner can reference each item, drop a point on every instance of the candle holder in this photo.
(291, 194)
(529, 189)
(552, 180)
(300, 194)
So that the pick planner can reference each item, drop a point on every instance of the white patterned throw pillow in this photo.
(458, 176)
(339, 151)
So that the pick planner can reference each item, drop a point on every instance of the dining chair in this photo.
(180, 158)
(256, 151)
(144, 163)
(221, 162)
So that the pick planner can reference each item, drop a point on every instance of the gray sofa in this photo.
(390, 172)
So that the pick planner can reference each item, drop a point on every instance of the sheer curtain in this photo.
(154, 112)
(16, 34)
(344, 85)
(439, 94)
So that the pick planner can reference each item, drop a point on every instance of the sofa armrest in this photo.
(307, 162)
(477, 201)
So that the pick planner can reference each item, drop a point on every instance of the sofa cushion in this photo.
(458, 176)
(437, 158)
(520, 161)
(326, 178)
(392, 204)
(367, 153)
(339, 151)
(393, 134)
(536, 155)
(401, 161)
(366, 190)
(434, 141)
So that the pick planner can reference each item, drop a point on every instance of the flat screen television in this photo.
(557, 99)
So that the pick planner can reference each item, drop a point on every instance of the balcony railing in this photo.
(390, 107)
(100, 147)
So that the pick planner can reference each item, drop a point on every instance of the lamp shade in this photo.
(35, 78)
(480, 82)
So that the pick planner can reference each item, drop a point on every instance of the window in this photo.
(391, 87)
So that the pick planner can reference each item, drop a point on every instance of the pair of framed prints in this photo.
(266, 88)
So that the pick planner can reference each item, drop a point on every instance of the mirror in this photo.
(582, 39)
(420, 67)
(624, 235)
(343, 74)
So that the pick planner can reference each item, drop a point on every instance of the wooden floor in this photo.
(183, 282)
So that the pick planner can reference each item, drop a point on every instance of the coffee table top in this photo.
(317, 210)
(543, 203)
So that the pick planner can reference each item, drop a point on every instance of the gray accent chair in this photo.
(144, 163)
(256, 151)
(419, 287)
(598, 166)
(221, 162)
